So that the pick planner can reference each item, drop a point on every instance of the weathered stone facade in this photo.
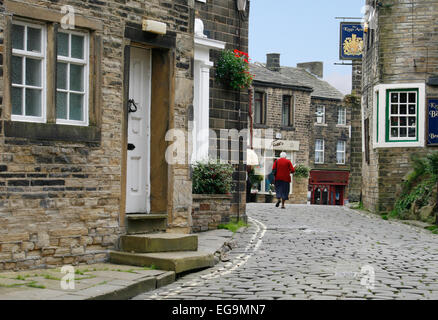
(274, 88)
(228, 108)
(62, 187)
(356, 156)
(209, 211)
(400, 51)
(331, 132)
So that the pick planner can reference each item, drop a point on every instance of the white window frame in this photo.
(83, 62)
(380, 119)
(43, 57)
(323, 115)
(342, 115)
(343, 151)
(320, 150)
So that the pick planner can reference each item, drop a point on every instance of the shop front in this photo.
(328, 187)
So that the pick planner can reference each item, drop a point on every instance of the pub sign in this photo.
(351, 41)
(432, 134)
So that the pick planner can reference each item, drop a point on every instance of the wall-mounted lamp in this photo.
(154, 26)
(241, 5)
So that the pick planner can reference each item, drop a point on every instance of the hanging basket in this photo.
(232, 70)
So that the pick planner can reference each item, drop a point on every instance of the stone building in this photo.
(329, 135)
(399, 78)
(280, 117)
(307, 115)
(89, 91)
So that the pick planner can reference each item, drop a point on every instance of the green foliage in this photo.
(301, 171)
(212, 178)
(254, 179)
(419, 185)
(233, 226)
(233, 69)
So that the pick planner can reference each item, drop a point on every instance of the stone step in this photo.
(161, 242)
(179, 262)
(146, 223)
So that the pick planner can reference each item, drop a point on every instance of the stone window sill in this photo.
(51, 132)
(321, 124)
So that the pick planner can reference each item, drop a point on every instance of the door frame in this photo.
(164, 46)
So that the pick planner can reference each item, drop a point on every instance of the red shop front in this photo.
(328, 187)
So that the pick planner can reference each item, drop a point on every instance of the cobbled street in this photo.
(317, 252)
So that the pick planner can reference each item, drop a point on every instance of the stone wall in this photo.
(209, 211)
(355, 185)
(403, 51)
(297, 132)
(60, 199)
(331, 132)
(228, 108)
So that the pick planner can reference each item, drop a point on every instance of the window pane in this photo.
(394, 132)
(77, 47)
(412, 109)
(33, 102)
(340, 157)
(63, 44)
(412, 132)
(394, 109)
(17, 37)
(403, 97)
(403, 109)
(76, 78)
(17, 101)
(412, 98)
(33, 39)
(403, 121)
(61, 105)
(394, 97)
(394, 121)
(412, 121)
(403, 132)
(76, 107)
(17, 70)
(33, 72)
(61, 76)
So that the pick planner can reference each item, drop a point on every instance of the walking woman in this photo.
(284, 169)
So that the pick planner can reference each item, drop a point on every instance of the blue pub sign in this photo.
(351, 41)
(432, 133)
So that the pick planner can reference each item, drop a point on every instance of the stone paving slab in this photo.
(98, 281)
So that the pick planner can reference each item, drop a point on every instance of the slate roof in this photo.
(296, 77)
(262, 74)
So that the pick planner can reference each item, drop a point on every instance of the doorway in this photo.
(138, 183)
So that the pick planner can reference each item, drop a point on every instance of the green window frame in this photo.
(390, 116)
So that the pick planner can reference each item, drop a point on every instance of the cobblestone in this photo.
(318, 252)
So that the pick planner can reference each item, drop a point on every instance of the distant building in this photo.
(280, 117)
(321, 123)
(399, 86)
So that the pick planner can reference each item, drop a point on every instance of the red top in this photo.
(284, 169)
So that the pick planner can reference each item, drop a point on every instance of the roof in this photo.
(321, 88)
(295, 77)
(264, 75)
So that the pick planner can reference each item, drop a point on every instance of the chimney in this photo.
(273, 61)
(316, 68)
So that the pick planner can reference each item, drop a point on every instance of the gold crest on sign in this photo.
(353, 46)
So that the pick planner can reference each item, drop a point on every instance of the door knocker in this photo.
(132, 107)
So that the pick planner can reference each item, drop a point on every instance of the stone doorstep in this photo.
(178, 262)
(163, 242)
(108, 285)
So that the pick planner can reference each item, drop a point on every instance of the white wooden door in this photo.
(138, 164)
